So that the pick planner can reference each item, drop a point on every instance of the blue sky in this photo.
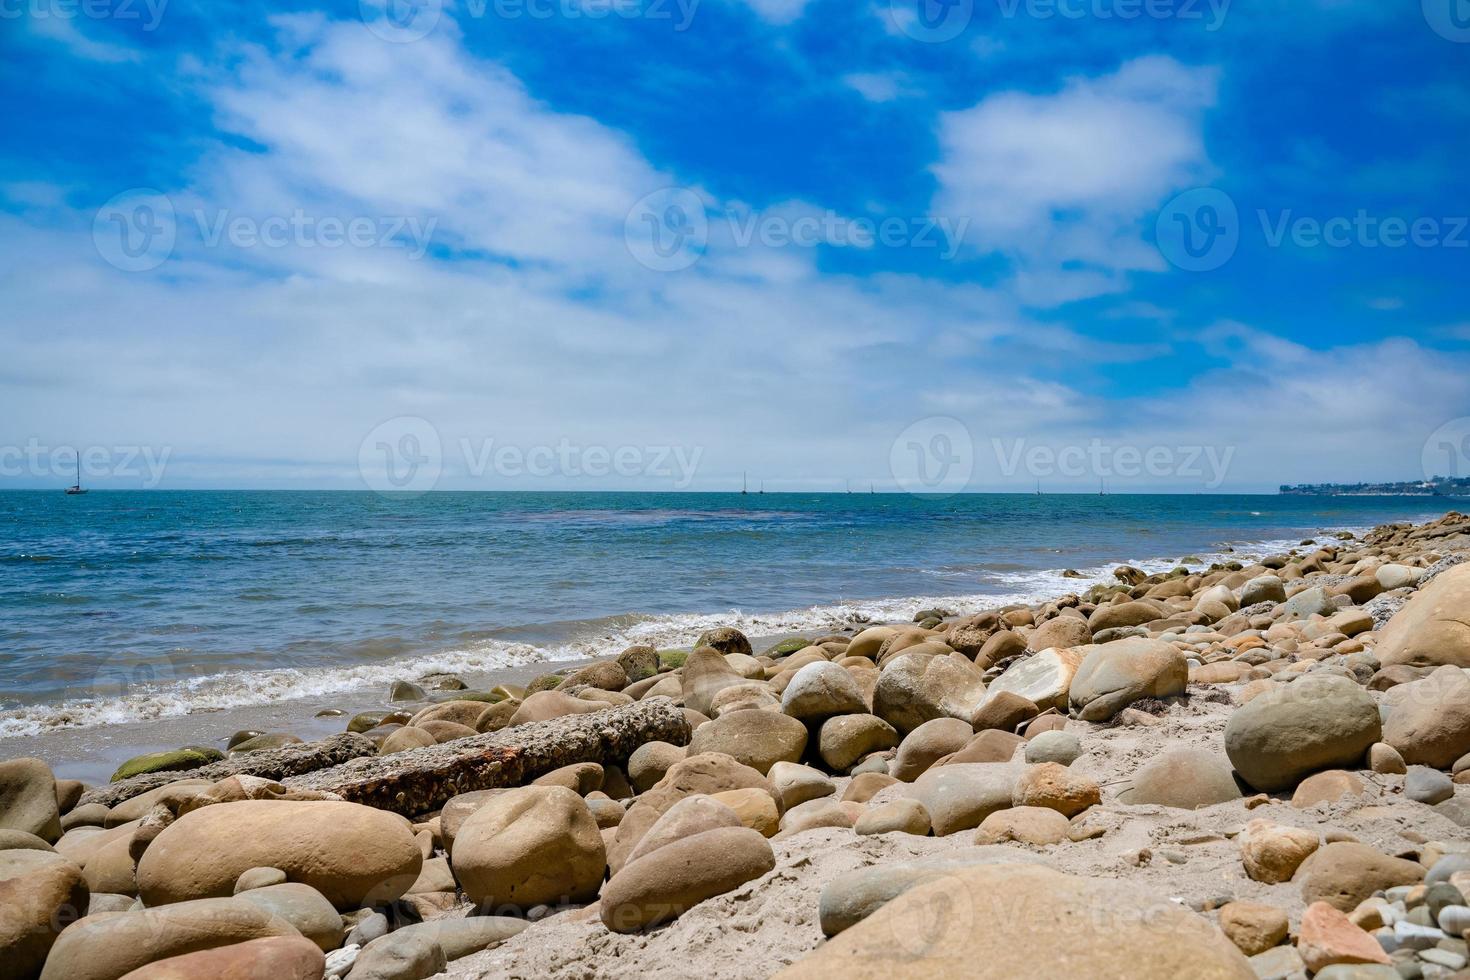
(509, 165)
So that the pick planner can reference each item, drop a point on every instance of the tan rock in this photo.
(107, 947)
(1185, 778)
(669, 881)
(895, 816)
(927, 744)
(278, 958)
(915, 688)
(1025, 825)
(1114, 675)
(1055, 787)
(40, 895)
(865, 786)
(959, 927)
(691, 815)
(756, 809)
(1272, 853)
(1326, 787)
(758, 739)
(532, 846)
(1253, 927)
(1344, 873)
(847, 738)
(354, 855)
(1433, 627)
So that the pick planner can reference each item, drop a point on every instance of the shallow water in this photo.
(121, 607)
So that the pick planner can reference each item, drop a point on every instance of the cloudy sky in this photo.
(648, 244)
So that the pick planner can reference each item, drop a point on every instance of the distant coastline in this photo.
(1440, 486)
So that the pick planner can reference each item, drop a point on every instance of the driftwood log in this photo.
(277, 764)
(420, 780)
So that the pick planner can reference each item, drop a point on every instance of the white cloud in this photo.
(879, 86)
(64, 31)
(1068, 177)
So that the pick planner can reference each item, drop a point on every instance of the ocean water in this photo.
(120, 606)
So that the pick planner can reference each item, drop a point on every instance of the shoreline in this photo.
(90, 752)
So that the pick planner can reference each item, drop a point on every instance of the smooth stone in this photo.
(895, 816)
(28, 799)
(302, 906)
(1313, 723)
(1060, 747)
(1184, 778)
(275, 958)
(259, 878)
(1114, 675)
(531, 846)
(663, 884)
(414, 957)
(1428, 786)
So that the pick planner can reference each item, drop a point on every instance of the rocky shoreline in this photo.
(1246, 770)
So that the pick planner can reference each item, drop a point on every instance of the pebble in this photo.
(1444, 958)
(1454, 919)
(1411, 936)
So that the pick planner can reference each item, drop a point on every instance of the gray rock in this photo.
(1309, 603)
(1279, 963)
(1311, 724)
(1357, 971)
(302, 906)
(1448, 865)
(1054, 746)
(405, 691)
(960, 796)
(368, 928)
(850, 898)
(1185, 778)
(1457, 810)
(1412, 936)
(1430, 786)
(461, 937)
(1114, 675)
(415, 957)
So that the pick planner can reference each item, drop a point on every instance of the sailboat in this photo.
(1102, 488)
(1038, 488)
(763, 487)
(744, 491)
(77, 488)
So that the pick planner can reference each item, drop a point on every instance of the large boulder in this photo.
(1429, 720)
(1184, 778)
(277, 958)
(691, 815)
(1314, 723)
(106, 947)
(353, 854)
(1344, 873)
(638, 662)
(758, 739)
(1044, 679)
(666, 882)
(1119, 614)
(1015, 920)
(532, 846)
(927, 744)
(1114, 675)
(821, 690)
(845, 739)
(915, 688)
(706, 673)
(708, 773)
(40, 894)
(1433, 627)
(172, 760)
(28, 799)
(546, 705)
(1062, 631)
(1263, 588)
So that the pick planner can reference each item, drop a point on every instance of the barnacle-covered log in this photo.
(420, 780)
(277, 764)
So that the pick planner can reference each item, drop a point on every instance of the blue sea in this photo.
(118, 606)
